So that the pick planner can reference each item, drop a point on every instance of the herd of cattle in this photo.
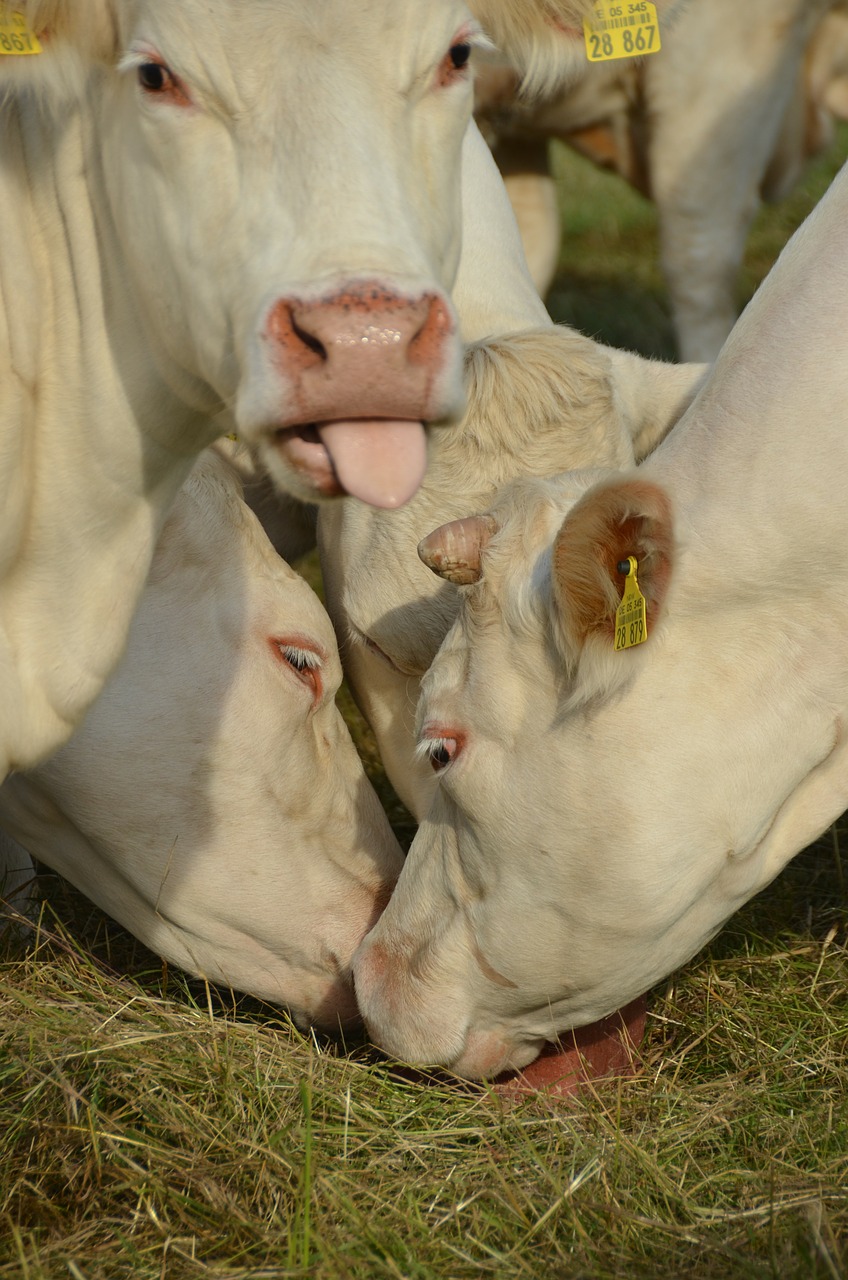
(280, 221)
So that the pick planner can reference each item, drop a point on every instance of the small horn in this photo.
(453, 550)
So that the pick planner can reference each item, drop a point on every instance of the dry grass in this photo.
(151, 1135)
(153, 1129)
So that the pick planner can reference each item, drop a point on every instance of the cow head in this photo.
(213, 801)
(599, 814)
(279, 185)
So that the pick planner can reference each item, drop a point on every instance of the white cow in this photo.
(726, 114)
(600, 814)
(213, 801)
(209, 206)
(540, 400)
(174, 244)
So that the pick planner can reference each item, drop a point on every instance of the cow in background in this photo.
(740, 97)
(212, 801)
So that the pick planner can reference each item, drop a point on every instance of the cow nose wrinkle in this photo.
(435, 328)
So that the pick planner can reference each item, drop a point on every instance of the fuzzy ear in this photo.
(542, 38)
(454, 550)
(616, 519)
(70, 34)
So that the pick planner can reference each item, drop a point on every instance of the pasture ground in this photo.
(152, 1129)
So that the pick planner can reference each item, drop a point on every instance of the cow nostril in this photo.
(309, 340)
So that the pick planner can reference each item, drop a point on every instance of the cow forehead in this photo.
(279, 34)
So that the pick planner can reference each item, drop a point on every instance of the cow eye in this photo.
(459, 55)
(440, 751)
(154, 77)
(304, 663)
(455, 63)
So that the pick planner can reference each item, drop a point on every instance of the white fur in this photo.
(586, 846)
(142, 246)
(539, 402)
(544, 38)
(213, 801)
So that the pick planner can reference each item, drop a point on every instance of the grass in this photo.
(153, 1129)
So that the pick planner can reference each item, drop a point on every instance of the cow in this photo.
(215, 215)
(601, 813)
(114, 373)
(541, 399)
(212, 801)
(727, 114)
(174, 249)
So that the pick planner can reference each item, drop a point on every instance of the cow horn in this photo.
(453, 550)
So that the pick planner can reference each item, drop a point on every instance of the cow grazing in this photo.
(600, 814)
(540, 399)
(727, 114)
(213, 801)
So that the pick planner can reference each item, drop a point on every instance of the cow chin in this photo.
(427, 1010)
(490, 1053)
(299, 464)
(335, 1010)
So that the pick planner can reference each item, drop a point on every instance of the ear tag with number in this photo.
(631, 624)
(621, 29)
(16, 39)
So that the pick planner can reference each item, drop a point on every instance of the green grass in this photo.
(153, 1129)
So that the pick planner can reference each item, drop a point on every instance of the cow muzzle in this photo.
(366, 368)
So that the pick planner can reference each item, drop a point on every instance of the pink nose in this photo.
(364, 352)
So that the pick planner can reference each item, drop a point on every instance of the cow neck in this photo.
(763, 448)
(87, 471)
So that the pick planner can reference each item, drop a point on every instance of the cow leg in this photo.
(711, 139)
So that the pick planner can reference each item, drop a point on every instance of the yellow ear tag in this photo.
(628, 29)
(631, 625)
(16, 39)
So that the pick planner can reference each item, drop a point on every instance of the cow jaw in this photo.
(381, 461)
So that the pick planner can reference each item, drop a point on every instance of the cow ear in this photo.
(542, 38)
(454, 551)
(616, 519)
(69, 35)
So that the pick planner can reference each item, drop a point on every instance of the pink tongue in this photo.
(379, 460)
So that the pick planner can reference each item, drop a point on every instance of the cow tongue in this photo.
(378, 460)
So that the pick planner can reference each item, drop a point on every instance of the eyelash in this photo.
(429, 748)
(305, 664)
